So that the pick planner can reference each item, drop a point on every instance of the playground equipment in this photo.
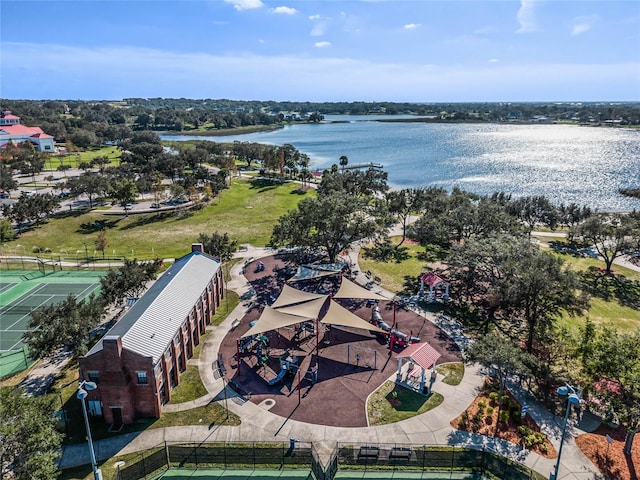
(362, 357)
(394, 337)
(288, 365)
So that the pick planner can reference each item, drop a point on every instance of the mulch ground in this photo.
(487, 424)
(611, 460)
(339, 395)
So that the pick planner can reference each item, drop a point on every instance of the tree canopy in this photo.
(29, 441)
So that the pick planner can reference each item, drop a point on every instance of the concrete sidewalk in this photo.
(258, 424)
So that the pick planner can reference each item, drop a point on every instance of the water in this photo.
(566, 163)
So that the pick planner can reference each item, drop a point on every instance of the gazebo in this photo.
(435, 284)
(422, 357)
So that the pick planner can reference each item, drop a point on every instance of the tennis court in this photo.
(23, 292)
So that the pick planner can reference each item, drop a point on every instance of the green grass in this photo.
(247, 212)
(380, 410)
(76, 158)
(108, 468)
(391, 273)
(453, 372)
(190, 386)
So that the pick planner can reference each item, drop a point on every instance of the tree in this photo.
(124, 192)
(613, 235)
(29, 441)
(7, 182)
(129, 280)
(331, 221)
(614, 368)
(90, 184)
(218, 245)
(344, 161)
(101, 241)
(402, 203)
(64, 324)
(501, 355)
(6, 230)
(534, 211)
(510, 281)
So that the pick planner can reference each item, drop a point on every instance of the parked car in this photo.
(155, 205)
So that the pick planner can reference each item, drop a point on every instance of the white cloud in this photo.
(245, 4)
(583, 24)
(284, 10)
(319, 29)
(315, 17)
(526, 17)
(56, 71)
(494, 60)
(322, 44)
(412, 26)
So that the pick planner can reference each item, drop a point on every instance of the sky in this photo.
(331, 50)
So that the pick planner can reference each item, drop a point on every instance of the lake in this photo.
(566, 163)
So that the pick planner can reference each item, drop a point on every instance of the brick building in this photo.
(139, 360)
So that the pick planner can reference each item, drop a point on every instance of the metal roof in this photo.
(150, 325)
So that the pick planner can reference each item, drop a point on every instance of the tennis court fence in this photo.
(14, 361)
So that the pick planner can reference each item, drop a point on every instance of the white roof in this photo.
(150, 325)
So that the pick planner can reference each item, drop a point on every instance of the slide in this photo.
(277, 378)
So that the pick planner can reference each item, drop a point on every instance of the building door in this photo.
(117, 418)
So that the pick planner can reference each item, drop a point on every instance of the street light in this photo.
(573, 398)
(81, 395)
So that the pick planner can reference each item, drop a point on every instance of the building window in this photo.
(94, 376)
(142, 377)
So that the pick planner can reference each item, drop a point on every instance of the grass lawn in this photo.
(108, 468)
(75, 158)
(453, 372)
(393, 274)
(190, 386)
(247, 212)
(380, 409)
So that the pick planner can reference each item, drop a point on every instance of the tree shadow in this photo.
(93, 227)
(264, 184)
(611, 287)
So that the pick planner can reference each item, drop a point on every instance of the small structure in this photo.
(421, 357)
(436, 284)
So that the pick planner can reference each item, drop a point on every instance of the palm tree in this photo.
(343, 162)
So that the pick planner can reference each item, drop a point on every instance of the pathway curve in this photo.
(258, 424)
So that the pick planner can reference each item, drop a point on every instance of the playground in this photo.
(308, 351)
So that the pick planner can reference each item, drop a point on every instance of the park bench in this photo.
(368, 453)
(400, 453)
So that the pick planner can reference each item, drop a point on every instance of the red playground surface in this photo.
(348, 369)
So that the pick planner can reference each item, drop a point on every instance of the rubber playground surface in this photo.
(351, 363)
(21, 292)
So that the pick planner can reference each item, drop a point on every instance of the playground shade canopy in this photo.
(303, 307)
(290, 295)
(272, 319)
(308, 272)
(348, 289)
(421, 354)
(340, 316)
(310, 310)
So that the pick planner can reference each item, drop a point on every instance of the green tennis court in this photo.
(23, 292)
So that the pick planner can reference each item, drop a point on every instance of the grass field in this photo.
(74, 159)
(247, 211)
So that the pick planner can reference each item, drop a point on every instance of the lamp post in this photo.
(573, 398)
(83, 386)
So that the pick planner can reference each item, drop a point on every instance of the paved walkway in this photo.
(258, 424)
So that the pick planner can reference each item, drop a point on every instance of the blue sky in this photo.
(415, 51)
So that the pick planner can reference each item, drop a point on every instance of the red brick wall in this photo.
(118, 383)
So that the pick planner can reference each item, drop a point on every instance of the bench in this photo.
(367, 452)
(400, 453)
